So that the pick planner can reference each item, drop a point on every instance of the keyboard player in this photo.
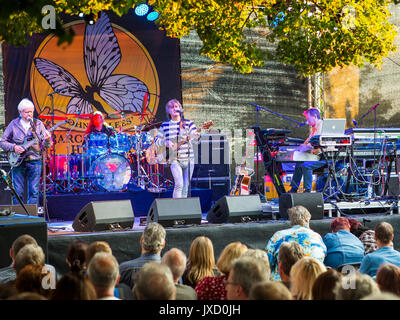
(304, 170)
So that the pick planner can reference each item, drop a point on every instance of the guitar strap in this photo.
(33, 130)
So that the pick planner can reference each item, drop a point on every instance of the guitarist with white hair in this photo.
(26, 157)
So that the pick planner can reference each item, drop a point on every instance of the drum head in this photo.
(96, 143)
(111, 172)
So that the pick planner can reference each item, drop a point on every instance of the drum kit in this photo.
(107, 163)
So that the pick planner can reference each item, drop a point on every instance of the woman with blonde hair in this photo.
(201, 262)
(213, 288)
(303, 275)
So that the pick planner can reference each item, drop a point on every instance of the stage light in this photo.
(81, 15)
(142, 9)
(152, 16)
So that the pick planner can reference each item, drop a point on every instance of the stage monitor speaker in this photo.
(173, 212)
(313, 201)
(18, 209)
(104, 215)
(236, 209)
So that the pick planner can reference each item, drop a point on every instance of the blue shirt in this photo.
(128, 269)
(311, 242)
(372, 261)
(343, 247)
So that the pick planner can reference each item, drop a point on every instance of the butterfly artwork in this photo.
(101, 55)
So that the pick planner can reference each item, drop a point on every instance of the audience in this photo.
(176, 260)
(385, 253)
(388, 278)
(355, 287)
(300, 232)
(201, 262)
(269, 290)
(366, 235)
(239, 274)
(152, 242)
(342, 246)
(303, 275)
(324, 285)
(154, 281)
(213, 288)
(244, 273)
(103, 273)
(289, 253)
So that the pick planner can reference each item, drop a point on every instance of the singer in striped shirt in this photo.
(176, 136)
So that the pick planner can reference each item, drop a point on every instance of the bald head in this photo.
(175, 259)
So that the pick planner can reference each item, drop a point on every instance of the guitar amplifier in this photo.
(220, 186)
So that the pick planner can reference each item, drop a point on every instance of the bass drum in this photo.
(111, 172)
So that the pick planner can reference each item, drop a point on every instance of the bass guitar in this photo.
(15, 159)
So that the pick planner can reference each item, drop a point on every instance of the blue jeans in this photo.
(180, 171)
(305, 170)
(28, 172)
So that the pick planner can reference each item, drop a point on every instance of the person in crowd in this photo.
(388, 278)
(299, 232)
(103, 273)
(213, 287)
(30, 254)
(303, 275)
(74, 286)
(366, 235)
(304, 169)
(270, 290)
(152, 242)
(261, 255)
(76, 254)
(154, 281)
(27, 296)
(176, 260)
(176, 135)
(342, 246)
(14, 138)
(355, 286)
(244, 273)
(122, 290)
(201, 262)
(289, 253)
(31, 279)
(324, 285)
(8, 273)
(385, 253)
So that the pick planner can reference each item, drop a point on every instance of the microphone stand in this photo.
(8, 181)
(275, 113)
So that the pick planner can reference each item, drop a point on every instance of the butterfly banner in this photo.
(119, 65)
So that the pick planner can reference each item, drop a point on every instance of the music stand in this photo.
(8, 181)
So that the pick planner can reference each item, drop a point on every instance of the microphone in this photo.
(58, 90)
(301, 124)
(354, 122)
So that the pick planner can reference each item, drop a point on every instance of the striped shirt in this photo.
(171, 131)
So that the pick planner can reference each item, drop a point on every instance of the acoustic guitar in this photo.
(162, 155)
(16, 159)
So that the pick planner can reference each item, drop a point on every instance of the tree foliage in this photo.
(313, 36)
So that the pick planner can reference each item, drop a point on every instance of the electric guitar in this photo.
(15, 159)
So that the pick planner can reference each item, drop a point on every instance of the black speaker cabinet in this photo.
(175, 212)
(313, 201)
(104, 215)
(220, 186)
(236, 209)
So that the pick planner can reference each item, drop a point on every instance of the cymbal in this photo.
(83, 115)
(50, 117)
(153, 125)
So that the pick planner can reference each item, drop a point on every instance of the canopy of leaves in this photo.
(313, 36)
